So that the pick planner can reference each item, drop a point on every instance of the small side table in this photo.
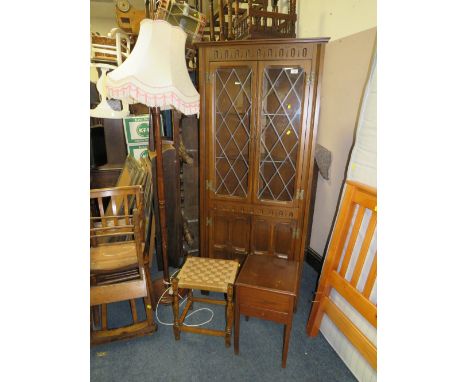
(266, 288)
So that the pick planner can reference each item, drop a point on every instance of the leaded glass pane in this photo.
(233, 105)
(280, 119)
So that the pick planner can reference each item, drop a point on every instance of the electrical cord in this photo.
(180, 304)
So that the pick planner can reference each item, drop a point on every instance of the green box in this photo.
(136, 129)
(138, 151)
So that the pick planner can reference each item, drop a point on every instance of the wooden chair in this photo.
(118, 270)
(205, 274)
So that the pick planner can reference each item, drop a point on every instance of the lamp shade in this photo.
(103, 110)
(155, 74)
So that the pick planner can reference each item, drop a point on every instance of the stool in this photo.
(214, 275)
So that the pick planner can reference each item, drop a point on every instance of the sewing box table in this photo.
(266, 288)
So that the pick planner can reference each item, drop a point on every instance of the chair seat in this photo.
(208, 274)
(114, 256)
(106, 294)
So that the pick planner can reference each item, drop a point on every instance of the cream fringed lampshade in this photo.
(155, 74)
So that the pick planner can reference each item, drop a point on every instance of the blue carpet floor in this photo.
(195, 357)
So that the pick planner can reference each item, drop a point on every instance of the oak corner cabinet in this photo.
(258, 126)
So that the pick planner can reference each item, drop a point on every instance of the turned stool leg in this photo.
(190, 299)
(229, 315)
(175, 307)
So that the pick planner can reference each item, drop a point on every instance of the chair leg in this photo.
(149, 287)
(95, 315)
(229, 315)
(175, 308)
(95, 308)
(134, 311)
(149, 312)
(104, 316)
(92, 320)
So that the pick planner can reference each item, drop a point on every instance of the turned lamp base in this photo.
(159, 288)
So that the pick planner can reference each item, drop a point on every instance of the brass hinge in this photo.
(300, 195)
(309, 78)
(208, 221)
(209, 76)
(209, 186)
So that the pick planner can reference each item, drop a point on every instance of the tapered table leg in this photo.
(287, 333)
(236, 328)
(229, 314)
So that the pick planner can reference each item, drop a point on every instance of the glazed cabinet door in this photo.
(276, 237)
(229, 139)
(229, 235)
(281, 131)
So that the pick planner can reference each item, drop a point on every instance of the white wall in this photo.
(346, 69)
(102, 15)
(346, 66)
(102, 25)
(335, 18)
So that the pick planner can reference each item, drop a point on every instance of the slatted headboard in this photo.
(354, 285)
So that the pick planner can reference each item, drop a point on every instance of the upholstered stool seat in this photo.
(214, 275)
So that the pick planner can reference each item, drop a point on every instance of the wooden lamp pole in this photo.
(158, 187)
(161, 46)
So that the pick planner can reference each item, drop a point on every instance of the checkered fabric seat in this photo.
(214, 275)
(208, 274)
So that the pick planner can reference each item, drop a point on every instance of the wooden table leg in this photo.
(236, 328)
(229, 314)
(287, 332)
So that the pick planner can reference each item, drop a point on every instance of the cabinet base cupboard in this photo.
(258, 127)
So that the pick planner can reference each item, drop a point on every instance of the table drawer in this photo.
(264, 314)
(264, 299)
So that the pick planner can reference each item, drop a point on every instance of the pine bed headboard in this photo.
(354, 285)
